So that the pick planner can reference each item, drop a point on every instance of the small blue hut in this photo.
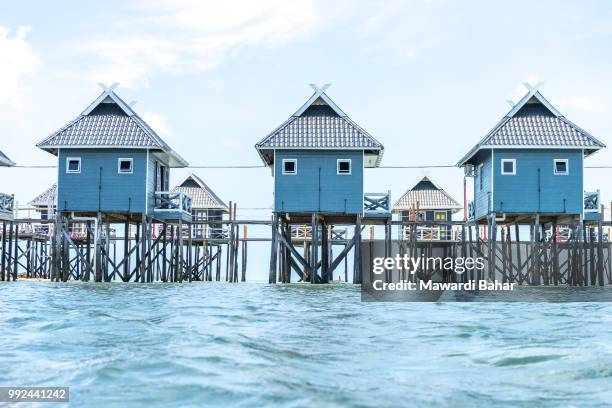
(427, 202)
(110, 161)
(206, 206)
(530, 163)
(317, 158)
(6, 200)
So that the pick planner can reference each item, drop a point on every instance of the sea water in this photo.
(255, 345)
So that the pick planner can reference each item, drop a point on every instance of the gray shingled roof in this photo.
(46, 197)
(108, 123)
(534, 122)
(5, 161)
(203, 198)
(319, 124)
(428, 196)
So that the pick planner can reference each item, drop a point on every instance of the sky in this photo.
(428, 79)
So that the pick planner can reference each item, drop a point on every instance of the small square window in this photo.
(508, 167)
(289, 166)
(344, 166)
(125, 166)
(440, 216)
(561, 167)
(73, 165)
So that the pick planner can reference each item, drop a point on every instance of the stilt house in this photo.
(317, 158)
(531, 162)
(427, 202)
(111, 161)
(206, 206)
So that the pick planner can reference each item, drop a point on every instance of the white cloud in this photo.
(190, 35)
(18, 61)
(159, 123)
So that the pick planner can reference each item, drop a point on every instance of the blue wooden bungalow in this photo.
(317, 157)
(206, 206)
(6, 200)
(531, 163)
(427, 202)
(111, 161)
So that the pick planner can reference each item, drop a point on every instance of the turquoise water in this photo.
(255, 345)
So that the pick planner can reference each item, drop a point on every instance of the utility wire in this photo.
(432, 166)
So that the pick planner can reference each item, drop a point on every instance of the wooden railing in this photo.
(471, 210)
(168, 201)
(433, 233)
(591, 201)
(7, 202)
(376, 202)
(304, 232)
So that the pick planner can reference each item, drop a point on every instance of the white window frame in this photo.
(131, 160)
(68, 160)
(513, 172)
(557, 173)
(285, 173)
(349, 161)
(480, 182)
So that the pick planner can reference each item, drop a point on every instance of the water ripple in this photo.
(298, 345)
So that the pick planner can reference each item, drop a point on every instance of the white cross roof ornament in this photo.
(108, 89)
(531, 90)
(319, 90)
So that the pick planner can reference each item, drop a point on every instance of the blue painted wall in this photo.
(119, 192)
(482, 196)
(303, 192)
(519, 193)
(151, 183)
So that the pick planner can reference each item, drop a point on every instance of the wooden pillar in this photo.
(492, 245)
(143, 248)
(107, 249)
(273, 250)
(97, 249)
(536, 251)
(3, 263)
(180, 250)
(600, 260)
(126, 248)
(313, 248)
(554, 253)
(189, 252)
(358, 274)
(65, 251)
(324, 253)
(287, 253)
(89, 267)
(244, 253)
(164, 264)
(10, 252)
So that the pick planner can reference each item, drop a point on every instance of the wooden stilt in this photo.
(273, 250)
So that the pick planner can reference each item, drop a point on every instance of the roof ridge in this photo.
(43, 194)
(5, 161)
(558, 134)
(204, 187)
